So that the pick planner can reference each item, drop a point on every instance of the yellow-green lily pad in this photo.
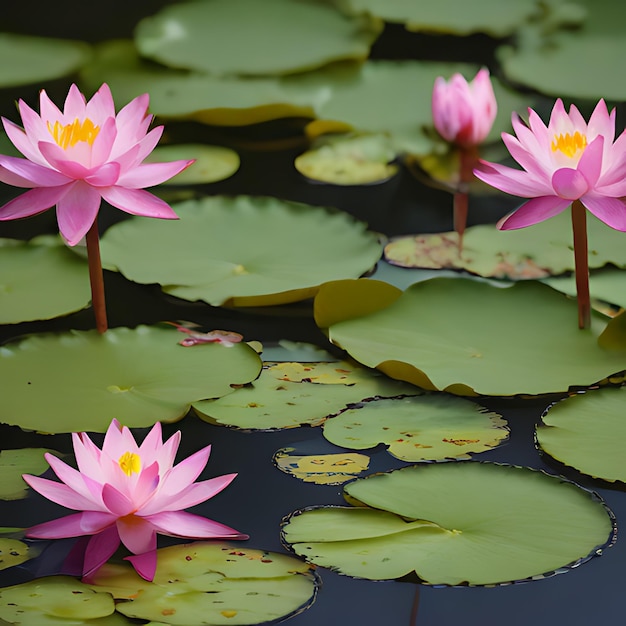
(455, 523)
(254, 38)
(585, 431)
(420, 428)
(15, 552)
(40, 279)
(243, 250)
(81, 380)
(14, 463)
(469, 337)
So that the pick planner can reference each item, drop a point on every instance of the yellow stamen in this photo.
(568, 144)
(130, 463)
(70, 134)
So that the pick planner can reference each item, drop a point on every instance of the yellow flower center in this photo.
(130, 463)
(568, 144)
(70, 134)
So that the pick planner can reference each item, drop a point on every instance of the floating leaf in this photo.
(448, 16)
(37, 59)
(140, 376)
(586, 431)
(349, 160)
(14, 463)
(54, 600)
(212, 163)
(212, 583)
(243, 251)
(15, 552)
(321, 469)
(40, 279)
(254, 38)
(459, 335)
(287, 395)
(456, 523)
(428, 427)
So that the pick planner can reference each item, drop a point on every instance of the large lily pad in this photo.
(14, 463)
(55, 600)
(212, 583)
(37, 59)
(244, 251)
(466, 336)
(455, 523)
(80, 381)
(428, 427)
(287, 395)
(40, 279)
(254, 38)
(586, 431)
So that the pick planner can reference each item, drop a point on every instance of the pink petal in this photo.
(146, 485)
(132, 115)
(48, 110)
(512, 181)
(151, 174)
(100, 549)
(74, 106)
(101, 105)
(87, 454)
(183, 474)
(538, 128)
(136, 534)
(138, 202)
(103, 143)
(104, 176)
(75, 525)
(590, 164)
(23, 142)
(534, 211)
(144, 564)
(601, 123)
(58, 159)
(77, 211)
(59, 493)
(72, 478)
(181, 524)
(612, 211)
(527, 159)
(153, 441)
(569, 184)
(32, 202)
(116, 501)
(33, 174)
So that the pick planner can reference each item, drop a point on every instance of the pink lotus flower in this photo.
(566, 161)
(129, 493)
(78, 156)
(464, 112)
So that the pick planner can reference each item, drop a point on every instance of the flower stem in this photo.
(96, 278)
(581, 263)
(467, 160)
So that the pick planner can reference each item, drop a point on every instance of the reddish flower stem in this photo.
(96, 278)
(467, 160)
(581, 263)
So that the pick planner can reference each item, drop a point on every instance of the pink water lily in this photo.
(463, 113)
(567, 160)
(129, 493)
(81, 155)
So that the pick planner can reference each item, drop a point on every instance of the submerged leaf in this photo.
(456, 523)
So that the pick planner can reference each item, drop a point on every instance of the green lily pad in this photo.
(242, 251)
(349, 160)
(15, 552)
(14, 463)
(287, 395)
(448, 16)
(428, 427)
(58, 600)
(553, 62)
(212, 583)
(456, 523)
(212, 163)
(459, 335)
(81, 380)
(37, 59)
(585, 431)
(40, 279)
(527, 253)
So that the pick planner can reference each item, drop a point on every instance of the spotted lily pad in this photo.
(40, 279)
(14, 463)
(428, 427)
(54, 600)
(254, 38)
(321, 469)
(243, 251)
(455, 523)
(459, 335)
(212, 163)
(585, 431)
(79, 381)
(15, 552)
(37, 59)
(212, 583)
(287, 395)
